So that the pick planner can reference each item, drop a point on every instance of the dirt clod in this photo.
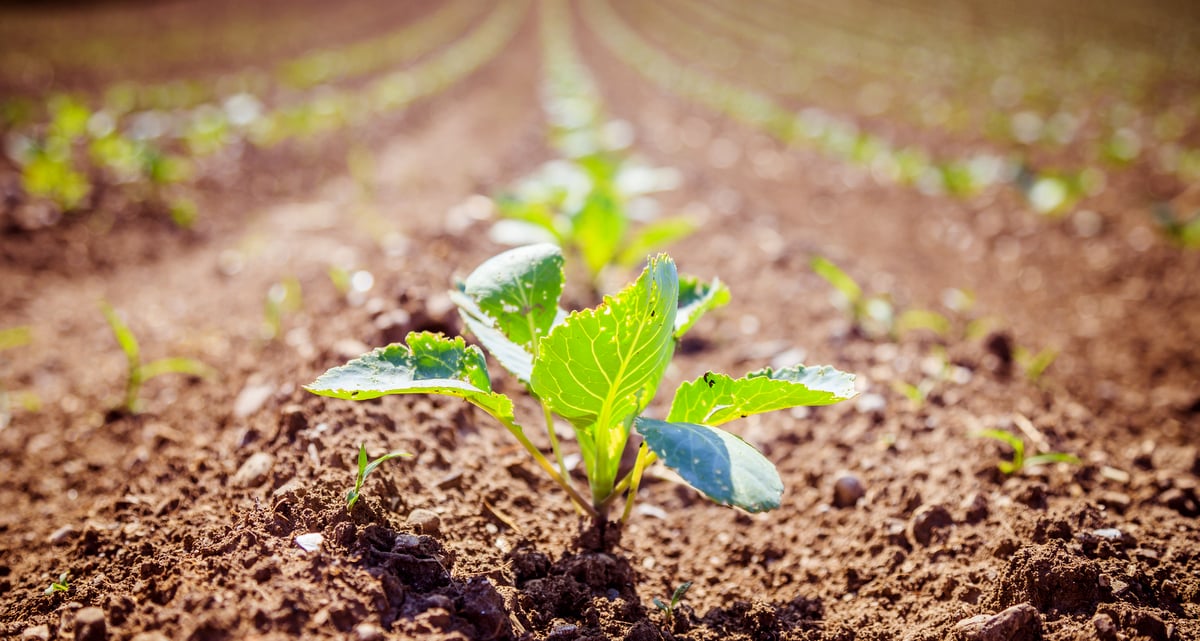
(90, 625)
(927, 521)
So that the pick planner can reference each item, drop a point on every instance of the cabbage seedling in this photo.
(140, 372)
(1019, 462)
(365, 468)
(598, 369)
(61, 585)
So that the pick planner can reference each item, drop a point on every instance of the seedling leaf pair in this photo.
(364, 470)
(598, 369)
(1019, 462)
(139, 372)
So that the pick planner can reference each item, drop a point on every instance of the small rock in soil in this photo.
(1181, 501)
(425, 521)
(847, 490)
(251, 399)
(368, 632)
(1018, 623)
(90, 625)
(151, 636)
(926, 521)
(254, 471)
(62, 535)
(36, 633)
(1118, 501)
(1106, 629)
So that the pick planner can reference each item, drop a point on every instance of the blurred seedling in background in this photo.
(587, 206)
(282, 298)
(1034, 364)
(875, 315)
(669, 607)
(365, 469)
(61, 585)
(11, 338)
(599, 369)
(139, 372)
(1019, 462)
(1183, 233)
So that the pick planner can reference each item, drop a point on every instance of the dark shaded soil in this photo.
(181, 522)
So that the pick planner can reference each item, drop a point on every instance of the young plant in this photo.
(283, 297)
(140, 372)
(582, 205)
(61, 585)
(598, 369)
(1034, 364)
(365, 468)
(669, 607)
(873, 315)
(1019, 462)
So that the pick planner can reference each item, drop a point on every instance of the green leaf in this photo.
(655, 236)
(176, 365)
(695, 299)
(840, 280)
(386, 457)
(124, 336)
(513, 357)
(598, 228)
(519, 289)
(722, 466)
(602, 366)
(428, 364)
(714, 399)
(915, 319)
(15, 337)
(605, 364)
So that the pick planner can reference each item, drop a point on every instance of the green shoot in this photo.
(282, 298)
(1034, 365)
(61, 585)
(1183, 233)
(873, 315)
(598, 369)
(139, 372)
(364, 469)
(11, 337)
(669, 607)
(1019, 462)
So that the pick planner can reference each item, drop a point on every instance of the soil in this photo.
(180, 522)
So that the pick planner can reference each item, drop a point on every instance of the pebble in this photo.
(153, 635)
(1110, 533)
(425, 521)
(90, 625)
(36, 633)
(1118, 501)
(1018, 623)
(62, 535)
(251, 399)
(928, 519)
(1106, 629)
(368, 632)
(868, 403)
(254, 471)
(847, 490)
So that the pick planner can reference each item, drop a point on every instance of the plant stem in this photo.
(519, 433)
(635, 476)
(558, 455)
(626, 480)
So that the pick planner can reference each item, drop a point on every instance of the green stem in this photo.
(558, 455)
(132, 386)
(519, 433)
(635, 476)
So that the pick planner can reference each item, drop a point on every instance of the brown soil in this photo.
(180, 522)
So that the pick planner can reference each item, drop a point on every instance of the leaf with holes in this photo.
(714, 399)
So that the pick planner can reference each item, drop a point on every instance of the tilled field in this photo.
(1006, 172)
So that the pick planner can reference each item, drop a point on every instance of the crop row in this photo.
(861, 77)
(155, 150)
